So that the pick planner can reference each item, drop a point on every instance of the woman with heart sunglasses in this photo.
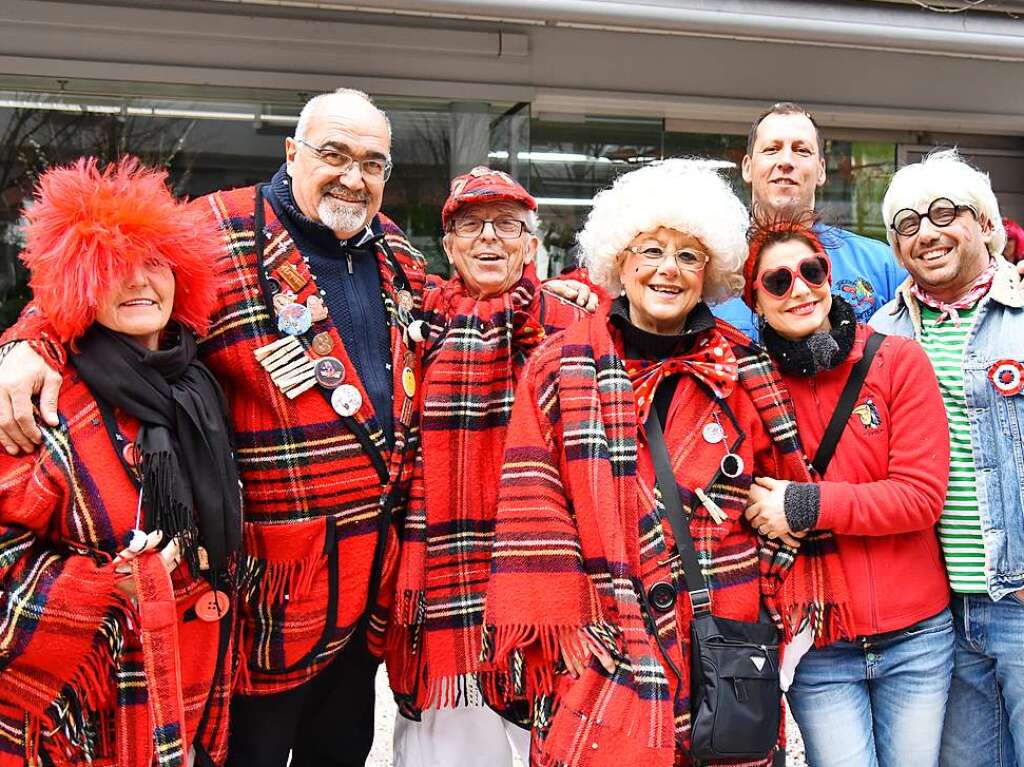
(880, 699)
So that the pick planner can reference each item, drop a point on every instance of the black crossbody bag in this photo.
(735, 698)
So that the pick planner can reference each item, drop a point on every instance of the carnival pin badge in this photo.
(317, 308)
(294, 319)
(1007, 376)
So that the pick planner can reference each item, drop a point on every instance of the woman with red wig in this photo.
(119, 538)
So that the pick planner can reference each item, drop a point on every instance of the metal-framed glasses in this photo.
(687, 259)
(941, 212)
(372, 167)
(505, 227)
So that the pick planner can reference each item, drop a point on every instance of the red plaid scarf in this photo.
(978, 288)
(475, 352)
(567, 551)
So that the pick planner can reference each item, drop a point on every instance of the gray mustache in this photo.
(347, 193)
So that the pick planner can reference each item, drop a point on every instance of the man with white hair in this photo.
(965, 305)
(311, 342)
(484, 322)
(785, 166)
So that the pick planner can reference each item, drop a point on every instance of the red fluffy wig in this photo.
(88, 228)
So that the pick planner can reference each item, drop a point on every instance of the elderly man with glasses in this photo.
(311, 342)
(965, 305)
(483, 324)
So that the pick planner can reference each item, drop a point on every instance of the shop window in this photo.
(207, 146)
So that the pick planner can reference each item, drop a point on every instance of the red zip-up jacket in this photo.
(883, 491)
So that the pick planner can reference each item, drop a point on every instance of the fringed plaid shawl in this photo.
(580, 534)
(86, 676)
(473, 358)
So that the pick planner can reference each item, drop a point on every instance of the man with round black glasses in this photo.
(965, 304)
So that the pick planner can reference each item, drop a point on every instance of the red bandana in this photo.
(949, 311)
(712, 362)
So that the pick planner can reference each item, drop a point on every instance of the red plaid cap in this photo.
(483, 185)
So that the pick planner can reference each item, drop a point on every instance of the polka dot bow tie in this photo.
(711, 361)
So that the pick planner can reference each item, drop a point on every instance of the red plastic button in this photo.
(212, 606)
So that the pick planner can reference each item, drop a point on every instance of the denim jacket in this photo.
(996, 421)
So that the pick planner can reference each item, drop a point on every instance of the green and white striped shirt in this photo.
(960, 524)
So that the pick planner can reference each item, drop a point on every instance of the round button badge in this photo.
(409, 382)
(323, 343)
(294, 319)
(405, 300)
(732, 465)
(346, 400)
(329, 372)
(713, 433)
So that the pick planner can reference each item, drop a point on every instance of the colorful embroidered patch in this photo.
(867, 412)
(860, 294)
(1007, 376)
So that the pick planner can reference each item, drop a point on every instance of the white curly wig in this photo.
(943, 173)
(682, 194)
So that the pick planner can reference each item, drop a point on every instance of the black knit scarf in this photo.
(817, 351)
(189, 479)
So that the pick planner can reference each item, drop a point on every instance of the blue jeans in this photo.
(985, 718)
(876, 702)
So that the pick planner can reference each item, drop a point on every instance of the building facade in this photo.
(563, 94)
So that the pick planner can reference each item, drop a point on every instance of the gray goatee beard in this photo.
(341, 216)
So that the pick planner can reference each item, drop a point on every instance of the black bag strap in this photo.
(700, 597)
(837, 424)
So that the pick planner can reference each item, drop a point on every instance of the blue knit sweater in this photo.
(355, 301)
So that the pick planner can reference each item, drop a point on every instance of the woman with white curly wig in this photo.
(588, 615)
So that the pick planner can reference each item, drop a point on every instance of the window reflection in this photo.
(564, 161)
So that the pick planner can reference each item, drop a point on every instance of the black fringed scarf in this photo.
(189, 478)
(818, 351)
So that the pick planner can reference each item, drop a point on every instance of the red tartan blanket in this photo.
(580, 529)
(473, 358)
(85, 676)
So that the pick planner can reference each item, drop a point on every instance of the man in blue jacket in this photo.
(784, 166)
